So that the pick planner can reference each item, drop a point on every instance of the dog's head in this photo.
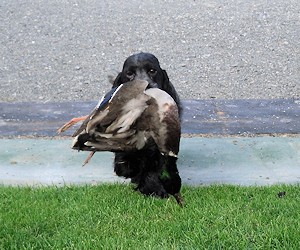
(143, 66)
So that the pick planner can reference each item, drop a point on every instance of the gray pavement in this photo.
(218, 54)
(64, 50)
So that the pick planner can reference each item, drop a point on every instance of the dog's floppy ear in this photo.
(170, 89)
(117, 82)
(165, 77)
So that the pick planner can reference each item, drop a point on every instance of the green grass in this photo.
(116, 217)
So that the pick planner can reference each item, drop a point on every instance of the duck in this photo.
(127, 119)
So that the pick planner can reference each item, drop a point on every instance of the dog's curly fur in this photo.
(144, 166)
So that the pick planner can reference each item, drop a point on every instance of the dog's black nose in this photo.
(152, 85)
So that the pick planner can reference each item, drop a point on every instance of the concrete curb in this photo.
(203, 161)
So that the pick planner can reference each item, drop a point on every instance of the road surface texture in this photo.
(64, 50)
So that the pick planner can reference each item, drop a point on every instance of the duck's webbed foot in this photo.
(71, 123)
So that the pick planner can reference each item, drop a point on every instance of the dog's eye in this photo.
(129, 74)
(152, 71)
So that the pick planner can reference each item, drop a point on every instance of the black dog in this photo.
(144, 166)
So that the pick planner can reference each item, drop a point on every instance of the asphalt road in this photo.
(63, 50)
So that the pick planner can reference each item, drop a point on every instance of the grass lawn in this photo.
(116, 217)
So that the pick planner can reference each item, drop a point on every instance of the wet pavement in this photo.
(215, 117)
(202, 161)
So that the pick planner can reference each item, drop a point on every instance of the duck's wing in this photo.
(100, 111)
(165, 121)
(122, 110)
(111, 127)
